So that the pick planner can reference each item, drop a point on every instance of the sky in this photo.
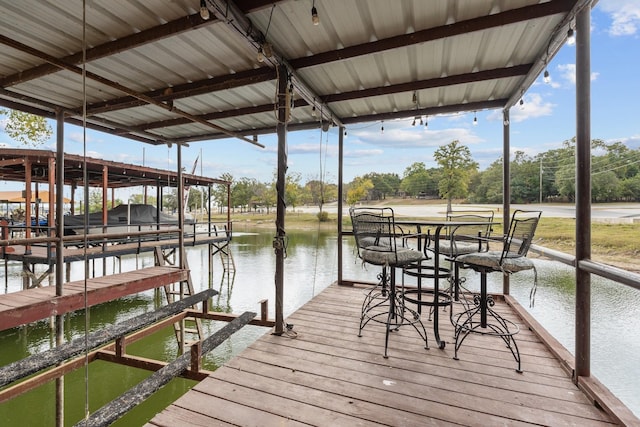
(545, 120)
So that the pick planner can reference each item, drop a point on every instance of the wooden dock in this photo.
(19, 308)
(327, 376)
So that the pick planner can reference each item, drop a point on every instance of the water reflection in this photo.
(310, 266)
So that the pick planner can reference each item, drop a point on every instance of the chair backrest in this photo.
(373, 227)
(472, 232)
(521, 231)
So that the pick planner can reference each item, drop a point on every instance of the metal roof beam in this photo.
(431, 111)
(497, 73)
(129, 42)
(260, 75)
(463, 27)
(185, 90)
(77, 70)
(228, 11)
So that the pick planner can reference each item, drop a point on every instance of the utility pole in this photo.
(540, 180)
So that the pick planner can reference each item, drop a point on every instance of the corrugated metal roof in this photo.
(363, 62)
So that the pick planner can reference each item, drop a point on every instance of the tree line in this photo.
(546, 177)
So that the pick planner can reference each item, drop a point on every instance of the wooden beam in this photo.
(128, 400)
(39, 361)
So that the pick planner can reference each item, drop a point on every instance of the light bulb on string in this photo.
(204, 12)
(421, 122)
(414, 122)
(314, 14)
(571, 37)
(547, 78)
(475, 119)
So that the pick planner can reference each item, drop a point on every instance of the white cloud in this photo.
(358, 154)
(418, 137)
(568, 73)
(625, 16)
(532, 107)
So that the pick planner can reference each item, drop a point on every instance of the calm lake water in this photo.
(310, 266)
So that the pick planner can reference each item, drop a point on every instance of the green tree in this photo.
(358, 190)
(293, 190)
(457, 165)
(139, 199)
(243, 192)
(170, 201)
(384, 184)
(219, 191)
(415, 179)
(95, 201)
(26, 128)
(525, 179)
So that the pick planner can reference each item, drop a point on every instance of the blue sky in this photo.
(546, 119)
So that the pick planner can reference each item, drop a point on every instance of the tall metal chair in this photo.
(380, 242)
(479, 317)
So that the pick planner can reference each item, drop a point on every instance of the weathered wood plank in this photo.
(32, 364)
(110, 412)
(331, 372)
(22, 307)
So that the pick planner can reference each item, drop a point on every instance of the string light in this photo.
(421, 122)
(260, 55)
(382, 127)
(547, 78)
(345, 133)
(414, 122)
(426, 123)
(204, 12)
(571, 38)
(314, 14)
(475, 119)
(522, 103)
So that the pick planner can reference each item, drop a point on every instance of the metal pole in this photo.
(340, 190)
(506, 186)
(181, 250)
(59, 320)
(583, 192)
(279, 239)
(540, 180)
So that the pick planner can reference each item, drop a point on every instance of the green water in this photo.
(310, 266)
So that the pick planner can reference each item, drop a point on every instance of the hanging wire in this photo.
(86, 209)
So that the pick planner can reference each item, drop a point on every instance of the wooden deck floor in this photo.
(327, 376)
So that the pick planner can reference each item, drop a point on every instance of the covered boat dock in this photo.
(176, 72)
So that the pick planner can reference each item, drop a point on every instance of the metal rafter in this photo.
(228, 11)
(463, 27)
(77, 70)
(160, 32)
(497, 73)
(258, 75)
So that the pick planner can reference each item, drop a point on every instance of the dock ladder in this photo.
(189, 330)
